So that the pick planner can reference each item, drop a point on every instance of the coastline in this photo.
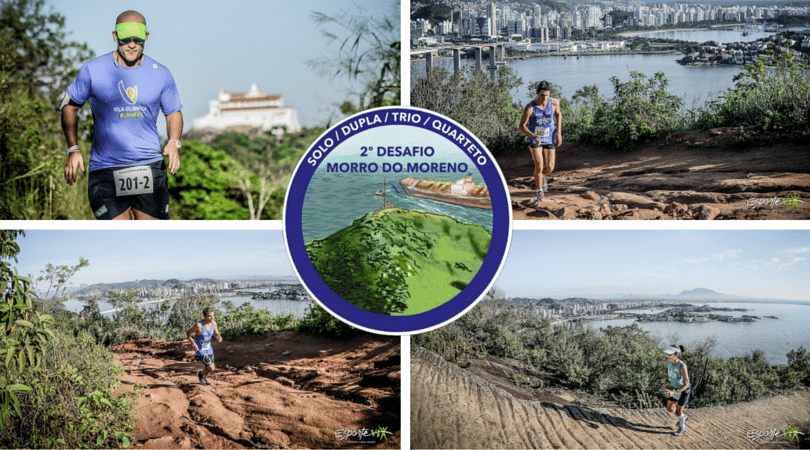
(637, 33)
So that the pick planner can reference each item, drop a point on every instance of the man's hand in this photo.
(559, 139)
(74, 161)
(219, 338)
(171, 151)
(196, 349)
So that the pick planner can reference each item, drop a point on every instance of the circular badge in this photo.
(397, 220)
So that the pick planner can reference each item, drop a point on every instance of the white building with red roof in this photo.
(252, 109)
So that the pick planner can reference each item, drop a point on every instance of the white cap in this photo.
(672, 350)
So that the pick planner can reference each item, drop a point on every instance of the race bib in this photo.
(133, 181)
(205, 346)
(543, 132)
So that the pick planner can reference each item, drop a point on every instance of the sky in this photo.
(542, 263)
(128, 255)
(209, 45)
(567, 263)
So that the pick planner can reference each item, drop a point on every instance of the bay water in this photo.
(693, 84)
(775, 337)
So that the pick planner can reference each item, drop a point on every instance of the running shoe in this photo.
(685, 418)
(202, 380)
(681, 430)
(540, 195)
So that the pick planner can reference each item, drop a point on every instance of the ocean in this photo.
(775, 337)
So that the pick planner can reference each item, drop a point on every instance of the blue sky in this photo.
(564, 263)
(553, 263)
(210, 45)
(129, 255)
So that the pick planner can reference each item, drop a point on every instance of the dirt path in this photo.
(453, 408)
(287, 390)
(677, 175)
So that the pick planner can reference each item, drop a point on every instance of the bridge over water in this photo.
(496, 57)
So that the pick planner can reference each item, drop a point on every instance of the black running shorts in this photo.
(684, 398)
(207, 360)
(106, 205)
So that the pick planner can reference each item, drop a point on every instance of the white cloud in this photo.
(727, 254)
(792, 262)
(797, 251)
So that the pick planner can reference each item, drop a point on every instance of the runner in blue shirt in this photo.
(126, 90)
(204, 330)
(543, 137)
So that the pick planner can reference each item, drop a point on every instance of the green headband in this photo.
(130, 29)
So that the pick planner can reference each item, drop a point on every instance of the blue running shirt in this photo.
(203, 341)
(541, 122)
(125, 102)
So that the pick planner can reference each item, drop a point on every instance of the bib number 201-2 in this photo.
(133, 181)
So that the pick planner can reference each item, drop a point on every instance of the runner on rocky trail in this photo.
(680, 389)
(543, 137)
(127, 90)
(204, 330)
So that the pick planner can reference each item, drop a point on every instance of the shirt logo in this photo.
(129, 94)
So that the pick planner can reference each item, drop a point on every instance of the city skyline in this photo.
(128, 255)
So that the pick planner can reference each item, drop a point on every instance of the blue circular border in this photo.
(416, 323)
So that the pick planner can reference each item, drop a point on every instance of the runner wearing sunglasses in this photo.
(127, 90)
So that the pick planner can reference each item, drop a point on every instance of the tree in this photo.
(57, 278)
(37, 61)
(369, 52)
(24, 332)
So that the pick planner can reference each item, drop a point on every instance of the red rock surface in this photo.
(286, 390)
(678, 175)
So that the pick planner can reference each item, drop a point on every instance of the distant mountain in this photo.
(173, 283)
(702, 293)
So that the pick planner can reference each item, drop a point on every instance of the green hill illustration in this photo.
(400, 262)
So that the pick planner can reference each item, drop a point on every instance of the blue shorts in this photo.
(106, 205)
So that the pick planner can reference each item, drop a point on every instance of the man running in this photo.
(126, 89)
(204, 330)
(537, 123)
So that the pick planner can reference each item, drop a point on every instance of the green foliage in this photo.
(639, 108)
(37, 61)
(482, 105)
(319, 322)
(57, 278)
(772, 92)
(75, 399)
(204, 187)
(248, 321)
(619, 363)
(368, 52)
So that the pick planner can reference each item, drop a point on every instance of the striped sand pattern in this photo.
(452, 408)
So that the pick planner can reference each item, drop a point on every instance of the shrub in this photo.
(773, 91)
(319, 322)
(75, 400)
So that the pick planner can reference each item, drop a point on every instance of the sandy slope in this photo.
(676, 175)
(454, 408)
(287, 390)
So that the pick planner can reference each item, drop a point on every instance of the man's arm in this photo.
(524, 121)
(174, 127)
(558, 117)
(685, 375)
(70, 128)
(216, 332)
(194, 330)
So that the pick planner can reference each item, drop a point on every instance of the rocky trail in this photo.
(285, 390)
(456, 408)
(676, 175)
